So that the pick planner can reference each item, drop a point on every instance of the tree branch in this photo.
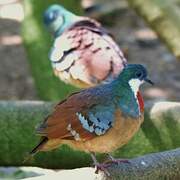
(164, 165)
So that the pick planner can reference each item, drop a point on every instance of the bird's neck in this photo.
(68, 22)
(130, 103)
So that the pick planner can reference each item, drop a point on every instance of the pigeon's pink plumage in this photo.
(85, 54)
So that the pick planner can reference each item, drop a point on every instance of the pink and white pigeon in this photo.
(84, 54)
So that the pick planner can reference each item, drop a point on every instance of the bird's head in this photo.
(134, 75)
(57, 19)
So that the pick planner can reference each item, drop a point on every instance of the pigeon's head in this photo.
(57, 19)
(134, 75)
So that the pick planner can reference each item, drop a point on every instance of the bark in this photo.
(160, 131)
(164, 18)
(164, 165)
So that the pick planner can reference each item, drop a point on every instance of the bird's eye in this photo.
(55, 15)
(139, 74)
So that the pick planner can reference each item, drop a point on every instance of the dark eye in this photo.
(139, 74)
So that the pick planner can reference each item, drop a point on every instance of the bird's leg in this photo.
(101, 167)
(113, 160)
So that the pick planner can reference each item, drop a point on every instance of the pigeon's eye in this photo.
(139, 74)
(55, 15)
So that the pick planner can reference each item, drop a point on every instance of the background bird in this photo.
(83, 53)
(98, 119)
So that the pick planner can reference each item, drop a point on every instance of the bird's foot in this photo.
(102, 167)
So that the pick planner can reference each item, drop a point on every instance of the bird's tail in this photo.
(35, 149)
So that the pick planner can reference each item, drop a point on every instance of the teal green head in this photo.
(126, 89)
(133, 76)
(135, 71)
(57, 19)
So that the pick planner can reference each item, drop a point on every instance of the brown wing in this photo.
(56, 125)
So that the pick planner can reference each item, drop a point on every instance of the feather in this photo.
(75, 116)
(87, 53)
(141, 101)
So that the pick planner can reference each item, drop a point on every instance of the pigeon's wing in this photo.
(81, 116)
(86, 52)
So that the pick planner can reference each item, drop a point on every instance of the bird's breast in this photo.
(122, 131)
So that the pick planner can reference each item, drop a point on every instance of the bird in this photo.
(98, 119)
(83, 53)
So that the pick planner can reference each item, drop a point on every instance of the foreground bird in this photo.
(99, 119)
(83, 53)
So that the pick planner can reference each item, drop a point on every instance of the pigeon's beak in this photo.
(148, 81)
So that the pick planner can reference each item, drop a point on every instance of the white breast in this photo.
(134, 84)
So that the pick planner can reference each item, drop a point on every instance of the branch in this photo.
(164, 18)
(160, 131)
(164, 165)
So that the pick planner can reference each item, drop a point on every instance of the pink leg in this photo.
(100, 167)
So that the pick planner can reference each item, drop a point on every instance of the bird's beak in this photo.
(148, 81)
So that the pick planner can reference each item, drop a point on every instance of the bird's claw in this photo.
(102, 167)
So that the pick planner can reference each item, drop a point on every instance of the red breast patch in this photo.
(141, 101)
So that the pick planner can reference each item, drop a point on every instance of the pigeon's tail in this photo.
(36, 149)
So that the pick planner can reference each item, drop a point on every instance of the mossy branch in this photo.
(164, 165)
